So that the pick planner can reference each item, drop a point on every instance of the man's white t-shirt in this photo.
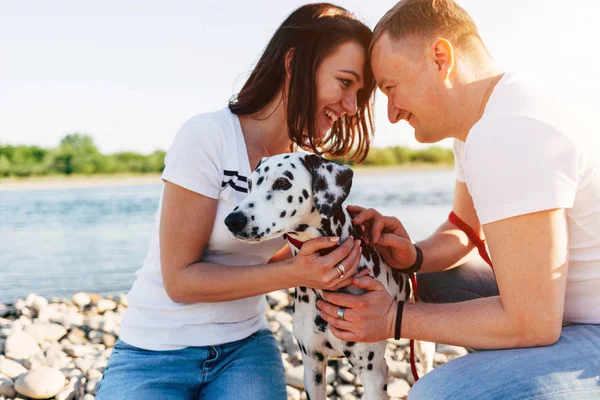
(525, 155)
(208, 156)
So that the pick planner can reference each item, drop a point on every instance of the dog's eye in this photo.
(249, 186)
(282, 184)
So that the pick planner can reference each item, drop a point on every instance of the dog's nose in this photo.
(236, 221)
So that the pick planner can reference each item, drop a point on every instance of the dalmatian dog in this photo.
(300, 196)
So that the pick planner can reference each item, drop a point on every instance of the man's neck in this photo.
(475, 85)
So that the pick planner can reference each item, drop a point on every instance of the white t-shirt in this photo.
(208, 156)
(526, 154)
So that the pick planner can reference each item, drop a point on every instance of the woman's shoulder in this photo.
(205, 129)
(223, 120)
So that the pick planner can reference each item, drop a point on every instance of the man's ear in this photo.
(289, 56)
(443, 55)
(331, 183)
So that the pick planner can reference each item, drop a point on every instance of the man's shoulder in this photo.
(520, 94)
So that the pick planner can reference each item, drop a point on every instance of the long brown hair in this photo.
(313, 32)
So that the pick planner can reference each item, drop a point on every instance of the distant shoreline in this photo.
(99, 180)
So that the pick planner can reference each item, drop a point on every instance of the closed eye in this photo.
(282, 184)
(249, 185)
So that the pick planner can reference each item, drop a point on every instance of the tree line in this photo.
(77, 154)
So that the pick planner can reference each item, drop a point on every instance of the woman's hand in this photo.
(369, 317)
(385, 233)
(311, 269)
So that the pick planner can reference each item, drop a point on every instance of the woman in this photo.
(195, 326)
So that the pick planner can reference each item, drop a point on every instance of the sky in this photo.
(129, 73)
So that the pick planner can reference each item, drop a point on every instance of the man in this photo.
(523, 181)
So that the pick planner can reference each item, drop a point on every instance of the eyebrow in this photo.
(357, 76)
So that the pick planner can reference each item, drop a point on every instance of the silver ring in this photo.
(341, 270)
(340, 313)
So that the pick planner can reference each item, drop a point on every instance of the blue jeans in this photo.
(569, 369)
(250, 368)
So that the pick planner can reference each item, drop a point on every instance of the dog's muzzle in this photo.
(236, 222)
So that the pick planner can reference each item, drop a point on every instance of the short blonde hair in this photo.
(427, 19)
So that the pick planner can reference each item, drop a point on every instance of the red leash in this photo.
(479, 243)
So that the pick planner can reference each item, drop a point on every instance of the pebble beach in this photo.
(58, 348)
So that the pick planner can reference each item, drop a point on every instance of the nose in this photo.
(393, 112)
(236, 221)
(349, 104)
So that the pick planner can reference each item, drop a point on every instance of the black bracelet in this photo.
(418, 262)
(399, 311)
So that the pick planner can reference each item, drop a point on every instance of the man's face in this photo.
(414, 85)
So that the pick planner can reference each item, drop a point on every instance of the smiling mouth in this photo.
(332, 116)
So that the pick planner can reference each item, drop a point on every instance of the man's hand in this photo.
(369, 317)
(385, 233)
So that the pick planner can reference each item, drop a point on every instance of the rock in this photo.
(7, 387)
(56, 358)
(20, 346)
(92, 385)
(278, 299)
(24, 320)
(451, 351)
(398, 369)
(346, 375)
(77, 336)
(42, 383)
(274, 326)
(81, 299)
(67, 394)
(4, 310)
(440, 358)
(38, 304)
(79, 350)
(292, 393)
(84, 363)
(89, 397)
(123, 300)
(108, 340)
(94, 297)
(398, 388)
(94, 373)
(71, 372)
(20, 305)
(104, 305)
(42, 331)
(36, 361)
(11, 369)
(295, 376)
(343, 390)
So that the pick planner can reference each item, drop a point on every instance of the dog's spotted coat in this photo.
(302, 195)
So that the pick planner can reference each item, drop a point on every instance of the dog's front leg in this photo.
(369, 363)
(314, 376)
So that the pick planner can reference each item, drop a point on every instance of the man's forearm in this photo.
(446, 248)
(480, 323)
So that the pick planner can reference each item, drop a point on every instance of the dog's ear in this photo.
(331, 183)
(262, 160)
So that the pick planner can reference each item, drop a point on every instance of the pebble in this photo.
(11, 369)
(20, 346)
(59, 348)
(41, 383)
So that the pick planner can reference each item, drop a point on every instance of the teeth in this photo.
(332, 116)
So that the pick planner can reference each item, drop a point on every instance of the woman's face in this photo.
(338, 80)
